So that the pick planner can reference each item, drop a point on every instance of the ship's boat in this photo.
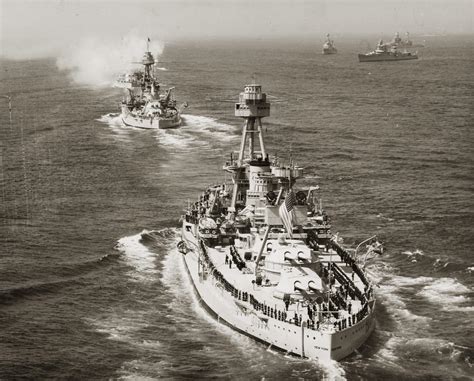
(328, 47)
(263, 260)
(145, 106)
(387, 52)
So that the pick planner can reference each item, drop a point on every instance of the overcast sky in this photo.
(45, 26)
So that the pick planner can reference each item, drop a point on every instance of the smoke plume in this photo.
(97, 62)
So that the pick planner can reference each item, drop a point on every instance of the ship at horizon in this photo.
(328, 47)
(263, 260)
(387, 52)
(145, 105)
(407, 43)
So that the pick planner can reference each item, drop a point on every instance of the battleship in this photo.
(263, 260)
(328, 47)
(387, 52)
(407, 43)
(144, 105)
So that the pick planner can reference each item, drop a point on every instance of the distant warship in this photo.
(262, 258)
(144, 106)
(407, 43)
(386, 52)
(328, 47)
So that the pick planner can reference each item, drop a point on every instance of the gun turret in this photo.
(167, 97)
(312, 286)
(299, 287)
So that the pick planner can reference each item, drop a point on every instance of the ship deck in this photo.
(242, 280)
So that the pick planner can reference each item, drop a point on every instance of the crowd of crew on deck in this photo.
(212, 202)
(339, 300)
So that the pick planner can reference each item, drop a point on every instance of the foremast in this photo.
(256, 178)
(149, 83)
(252, 107)
(329, 42)
(148, 62)
(141, 85)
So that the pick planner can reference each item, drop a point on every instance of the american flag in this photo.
(286, 212)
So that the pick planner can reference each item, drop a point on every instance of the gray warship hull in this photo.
(327, 51)
(151, 123)
(386, 57)
(283, 336)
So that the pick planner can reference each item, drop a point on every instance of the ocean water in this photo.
(91, 285)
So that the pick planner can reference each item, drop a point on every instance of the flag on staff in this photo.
(286, 212)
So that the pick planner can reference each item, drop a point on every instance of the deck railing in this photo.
(311, 323)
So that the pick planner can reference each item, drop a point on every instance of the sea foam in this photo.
(449, 293)
(138, 257)
(210, 126)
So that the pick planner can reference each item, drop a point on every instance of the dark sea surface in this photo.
(91, 285)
